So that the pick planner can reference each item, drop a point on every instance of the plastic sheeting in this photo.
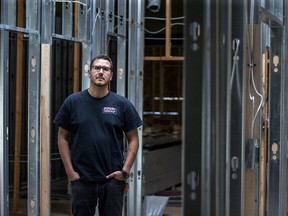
(154, 205)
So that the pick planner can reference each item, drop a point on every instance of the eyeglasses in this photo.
(98, 68)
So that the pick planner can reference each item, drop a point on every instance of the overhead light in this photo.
(154, 5)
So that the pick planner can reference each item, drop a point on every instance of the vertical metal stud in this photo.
(98, 31)
(206, 189)
(131, 202)
(86, 19)
(9, 7)
(33, 125)
(236, 109)
(86, 58)
(121, 47)
(8, 17)
(275, 143)
(33, 22)
(67, 12)
(283, 206)
(4, 55)
(47, 22)
(224, 45)
(135, 91)
(32, 11)
(83, 13)
(192, 108)
(139, 101)
(109, 22)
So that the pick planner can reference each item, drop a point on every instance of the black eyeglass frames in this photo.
(98, 68)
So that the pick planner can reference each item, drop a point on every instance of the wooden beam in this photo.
(264, 144)
(163, 58)
(45, 130)
(168, 29)
(18, 214)
(18, 108)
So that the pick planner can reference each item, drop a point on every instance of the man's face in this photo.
(100, 73)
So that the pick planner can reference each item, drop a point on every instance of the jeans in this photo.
(108, 195)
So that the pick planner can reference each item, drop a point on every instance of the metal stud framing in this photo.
(275, 144)
(98, 31)
(33, 125)
(121, 47)
(4, 196)
(276, 34)
(193, 95)
(67, 9)
(236, 108)
(232, 68)
(4, 43)
(135, 90)
(95, 21)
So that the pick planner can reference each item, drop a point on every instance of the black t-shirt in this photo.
(96, 126)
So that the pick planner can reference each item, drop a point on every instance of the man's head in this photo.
(100, 72)
(102, 56)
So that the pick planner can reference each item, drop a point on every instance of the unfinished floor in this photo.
(61, 205)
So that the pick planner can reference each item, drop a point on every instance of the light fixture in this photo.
(154, 5)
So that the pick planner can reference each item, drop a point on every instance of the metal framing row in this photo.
(225, 46)
(95, 23)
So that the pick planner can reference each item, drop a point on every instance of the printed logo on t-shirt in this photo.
(109, 110)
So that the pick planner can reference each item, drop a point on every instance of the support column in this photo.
(45, 112)
(4, 130)
(45, 122)
(8, 16)
(18, 111)
(135, 95)
(33, 125)
(121, 47)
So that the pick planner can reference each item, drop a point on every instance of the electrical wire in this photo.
(67, 1)
(260, 104)
(235, 60)
(252, 98)
(250, 35)
(163, 18)
(155, 32)
(162, 29)
(94, 23)
(162, 38)
(115, 16)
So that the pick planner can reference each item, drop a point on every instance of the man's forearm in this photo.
(131, 151)
(65, 155)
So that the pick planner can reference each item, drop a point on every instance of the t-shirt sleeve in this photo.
(62, 118)
(132, 118)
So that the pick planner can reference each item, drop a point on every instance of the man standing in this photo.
(92, 124)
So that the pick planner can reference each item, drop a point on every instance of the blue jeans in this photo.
(108, 195)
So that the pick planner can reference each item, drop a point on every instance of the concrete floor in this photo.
(61, 206)
(62, 209)
(172, 211)
(60, 201)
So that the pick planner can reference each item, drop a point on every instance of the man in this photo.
(92, 124)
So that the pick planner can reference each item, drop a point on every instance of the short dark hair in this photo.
(102, 56)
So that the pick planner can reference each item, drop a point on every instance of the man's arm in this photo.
(133, 145)
(63, 145)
